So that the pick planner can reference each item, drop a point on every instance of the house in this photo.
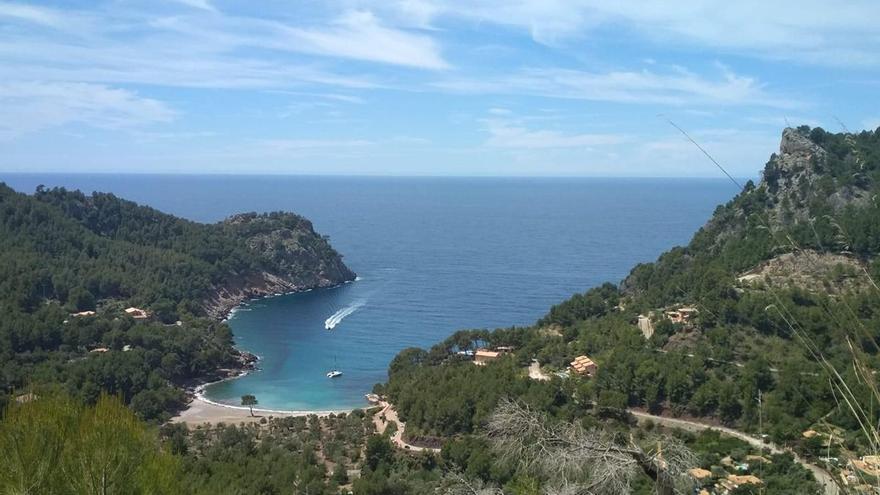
(583, 365)
(681, 315)
(137, 313)
(734, 481)
(82, 314)
(700, 474)
(483, 356)
(100, 349)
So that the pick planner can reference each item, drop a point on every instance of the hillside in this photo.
(769, 356)
(66, 252)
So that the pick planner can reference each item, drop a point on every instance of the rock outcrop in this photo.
(295, 258)
(791, 179)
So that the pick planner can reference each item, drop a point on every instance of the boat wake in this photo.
(337, 317)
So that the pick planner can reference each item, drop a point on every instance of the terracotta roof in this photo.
(700, 473)
(744, 479)
(582, 364)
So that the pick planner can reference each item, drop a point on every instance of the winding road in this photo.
(824, 478)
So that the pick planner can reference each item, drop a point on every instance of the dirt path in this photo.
(397, 439)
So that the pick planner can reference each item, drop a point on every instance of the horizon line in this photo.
(369, 176)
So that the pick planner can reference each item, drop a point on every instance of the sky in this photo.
(425, 87)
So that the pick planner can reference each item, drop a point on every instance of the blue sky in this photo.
(424, 87)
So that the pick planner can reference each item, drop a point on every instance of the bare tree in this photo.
(454, 483)
(581, 461)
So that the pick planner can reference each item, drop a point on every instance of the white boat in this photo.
(335, 371)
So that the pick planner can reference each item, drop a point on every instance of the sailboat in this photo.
(334, 373)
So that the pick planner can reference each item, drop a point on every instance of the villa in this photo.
(583, 365)
(137, 313)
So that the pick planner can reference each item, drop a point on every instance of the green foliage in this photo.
(53, 445)
(67, 252)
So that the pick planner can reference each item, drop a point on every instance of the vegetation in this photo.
(249, 401)
(758, 356)
(53, 445)
(65, 252)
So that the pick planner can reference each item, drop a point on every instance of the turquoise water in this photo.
(433, 255)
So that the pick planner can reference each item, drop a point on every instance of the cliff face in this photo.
(292, 258)
(792, 181)
(816, 193)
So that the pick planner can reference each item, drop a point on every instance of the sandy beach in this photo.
(202, 411)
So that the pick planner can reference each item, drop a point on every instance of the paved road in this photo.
(822, 476)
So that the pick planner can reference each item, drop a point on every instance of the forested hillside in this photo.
(782, 282)
(65, 252)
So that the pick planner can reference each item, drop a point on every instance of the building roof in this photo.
(136, 312)
(487, 353)
(582, 364)
(744, 479)
(99, 349)
(700, 473)
(83, 313)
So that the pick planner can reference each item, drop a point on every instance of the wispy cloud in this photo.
(198, 4)
(507, 134)
(360, 35)
(678, 87)
(29, 107)
(809, 31)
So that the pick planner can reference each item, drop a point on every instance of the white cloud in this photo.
(672, 88)
(507, 134)
(33, 106)
(199, 4)
(359, 35)
(29, 13)
(130, 46)
(811, 31)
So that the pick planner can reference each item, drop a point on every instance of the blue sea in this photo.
(433, 255)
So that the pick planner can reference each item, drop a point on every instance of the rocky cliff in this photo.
(293, 257)
(817, 192)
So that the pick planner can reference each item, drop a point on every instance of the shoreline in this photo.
(200, 409)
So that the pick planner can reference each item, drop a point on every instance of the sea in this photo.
(433, 255)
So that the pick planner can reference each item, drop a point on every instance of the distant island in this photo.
(100, 294)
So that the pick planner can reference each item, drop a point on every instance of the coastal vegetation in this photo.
(780, 342)
(779, 355)
(101, 295)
